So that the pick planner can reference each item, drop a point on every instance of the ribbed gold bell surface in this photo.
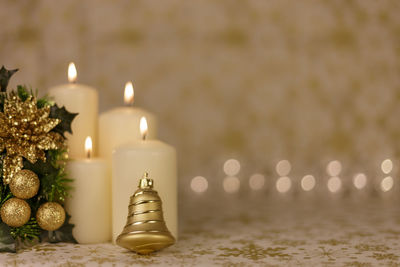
(145, 230)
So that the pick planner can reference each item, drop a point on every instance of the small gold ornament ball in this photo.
(15, 212)
(50, 216)
(25, 184)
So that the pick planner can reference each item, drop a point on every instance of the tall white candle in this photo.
(130, 161)
(82, 99)
(119, 126)
(90, 200)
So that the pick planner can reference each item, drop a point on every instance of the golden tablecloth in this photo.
(257, 232)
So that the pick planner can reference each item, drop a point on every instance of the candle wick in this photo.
(144, 136)
(89, 154)
(129, 104)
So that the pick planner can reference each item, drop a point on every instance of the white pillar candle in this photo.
(90, 202)
(82, 99)
(130, 161)
(119, 126)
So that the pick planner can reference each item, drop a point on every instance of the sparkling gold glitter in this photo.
(15, 212)
(25, 132)
(50, 216)
(25, 184)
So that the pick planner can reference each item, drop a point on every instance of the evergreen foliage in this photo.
(54, 181)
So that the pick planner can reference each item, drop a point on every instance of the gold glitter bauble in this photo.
(24, 184)
(15, 212)
(50, 216)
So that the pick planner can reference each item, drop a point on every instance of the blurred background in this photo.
(254, 81)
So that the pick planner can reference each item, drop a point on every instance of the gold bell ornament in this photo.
(145, 230)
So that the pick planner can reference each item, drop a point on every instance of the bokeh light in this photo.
(231, 167)
(308, 182)
(231, 184)
(257, 181)
(283, 167)
(387, 183)
(334, 184)
(387, 166)
(283, 184)
(334, 168)
(199, 184)
(360, 180)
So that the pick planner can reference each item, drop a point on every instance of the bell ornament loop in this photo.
(146, 182)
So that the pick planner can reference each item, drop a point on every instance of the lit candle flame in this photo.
(143, 127)
(129, 93)
(88, 147)
(72, 72)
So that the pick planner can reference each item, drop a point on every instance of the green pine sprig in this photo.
(28, 231)
(54, 180)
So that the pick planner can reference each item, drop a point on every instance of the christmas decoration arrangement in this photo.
(145, 230)
(33, 181)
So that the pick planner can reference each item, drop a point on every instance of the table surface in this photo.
(257, 232)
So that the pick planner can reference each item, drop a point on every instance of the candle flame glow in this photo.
(231, 167)
(387, 166)
(143, 127)
(283, 184)
(72, 74)
(231, 184)
(387, 184)
(88, 147)
(129, 93)
(257, 181)
(308, 182)
(360, 180)
(283, 167)
(334, 184)
(199, 184)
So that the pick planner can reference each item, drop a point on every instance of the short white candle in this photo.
(119, 126)
(90, 202)
(130, 161)
(82, 99)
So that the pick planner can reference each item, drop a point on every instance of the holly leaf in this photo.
(65, 117)
(62, 234)
(3, 97)
(21, 244)
(42, 169)
(5, 76)
(7, 243)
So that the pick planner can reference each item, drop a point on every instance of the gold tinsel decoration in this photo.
(15, 212)
(50, 216)
(25, 184)
(145, 230)
(25, 133)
